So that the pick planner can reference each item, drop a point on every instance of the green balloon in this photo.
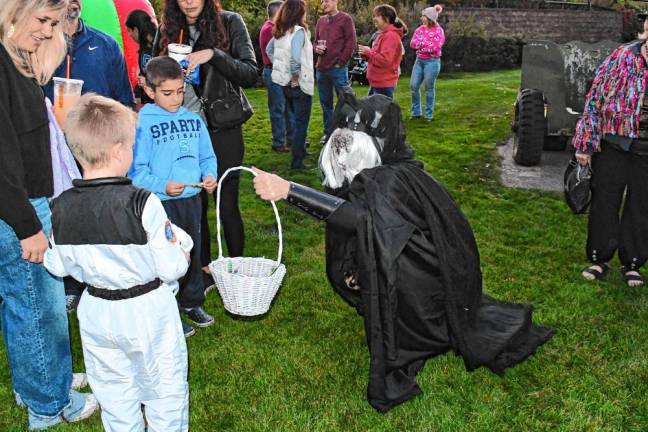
(102, 15)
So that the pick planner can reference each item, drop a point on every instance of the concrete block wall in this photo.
(558, 25)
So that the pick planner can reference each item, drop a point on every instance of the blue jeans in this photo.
(35, 327)
(327, 80)
(424, 71)
(299, 104)
(387, 91)
(281, 120)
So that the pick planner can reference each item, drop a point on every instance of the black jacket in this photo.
(237, 63)
(25, 159)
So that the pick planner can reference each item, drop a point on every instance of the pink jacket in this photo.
(427, 41)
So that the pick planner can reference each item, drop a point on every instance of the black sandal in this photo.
(596, 275)
(632, 278)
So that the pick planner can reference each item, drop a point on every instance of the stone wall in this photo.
(558, 25)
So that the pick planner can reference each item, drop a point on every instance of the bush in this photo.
(476, 53)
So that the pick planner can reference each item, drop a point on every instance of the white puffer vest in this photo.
(281, 62)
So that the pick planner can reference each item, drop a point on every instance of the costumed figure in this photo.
(401, 252)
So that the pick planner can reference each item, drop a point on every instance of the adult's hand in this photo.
(34, 247)
(198, 58)
(363, 50)
(583, 159)
(270, 187)
(319, 49)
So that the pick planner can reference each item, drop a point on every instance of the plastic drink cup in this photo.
(179, 52)
(66, 94)
(321, 44)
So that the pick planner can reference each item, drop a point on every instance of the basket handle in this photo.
(218, 222)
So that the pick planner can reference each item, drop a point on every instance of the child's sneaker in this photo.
(199, 316)
(188, 330)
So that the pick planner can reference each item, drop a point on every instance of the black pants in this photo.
(186, 214)
(614, 171)
(229, 149)
(73, 286)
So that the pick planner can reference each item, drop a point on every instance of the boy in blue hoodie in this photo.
(174, 158)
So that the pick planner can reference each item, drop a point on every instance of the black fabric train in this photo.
(406, 244)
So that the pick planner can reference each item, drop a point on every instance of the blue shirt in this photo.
(171, 147)
(96, 59)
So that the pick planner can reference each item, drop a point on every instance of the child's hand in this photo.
(210, 184)
(174, 188)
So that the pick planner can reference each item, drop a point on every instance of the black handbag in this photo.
(229, 107)
(577, 186)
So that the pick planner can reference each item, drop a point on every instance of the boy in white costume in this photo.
(117, 240)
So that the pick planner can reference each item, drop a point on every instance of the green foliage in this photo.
(303, 367)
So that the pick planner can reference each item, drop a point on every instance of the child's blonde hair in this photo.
(94, 125)
(15, 16)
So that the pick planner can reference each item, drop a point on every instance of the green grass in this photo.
(304, 365)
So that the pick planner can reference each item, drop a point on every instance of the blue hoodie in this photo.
(171, 146)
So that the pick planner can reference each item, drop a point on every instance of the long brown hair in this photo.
(209, 23)
(291, 13)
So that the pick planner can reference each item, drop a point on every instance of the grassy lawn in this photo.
(304, 365)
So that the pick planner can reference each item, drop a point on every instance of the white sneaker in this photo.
(79, 380)
(89, 408)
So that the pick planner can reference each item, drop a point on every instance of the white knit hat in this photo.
(432, 12)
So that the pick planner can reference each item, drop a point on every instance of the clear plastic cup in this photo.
(66, 94)
(179, 52)
(321, 44)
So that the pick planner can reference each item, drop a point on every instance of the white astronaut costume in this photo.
(116, 239)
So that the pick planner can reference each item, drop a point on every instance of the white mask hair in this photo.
(345, 154)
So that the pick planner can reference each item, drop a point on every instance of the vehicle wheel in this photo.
(530, 125)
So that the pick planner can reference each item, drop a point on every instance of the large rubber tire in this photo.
(530, 126)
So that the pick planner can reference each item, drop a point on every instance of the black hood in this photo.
(379, 117)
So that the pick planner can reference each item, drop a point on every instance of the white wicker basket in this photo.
(246, 285)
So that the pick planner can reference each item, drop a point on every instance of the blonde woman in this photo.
(33, 311)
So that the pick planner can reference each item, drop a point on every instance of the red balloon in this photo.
(125, 7)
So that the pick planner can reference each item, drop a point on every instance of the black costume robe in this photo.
(417, 266)
(414, 256)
